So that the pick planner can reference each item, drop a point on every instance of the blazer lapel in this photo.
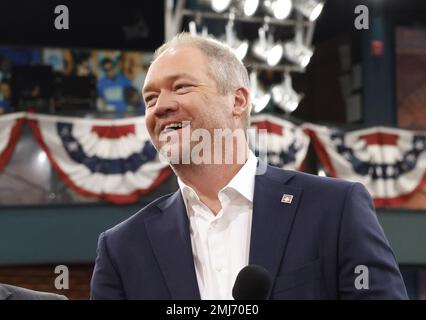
(171, 242)
(4, 293)
(272, 218)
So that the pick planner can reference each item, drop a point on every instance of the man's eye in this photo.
(182, 86)
(149, 98)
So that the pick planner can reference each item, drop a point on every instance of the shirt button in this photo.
(219, 269)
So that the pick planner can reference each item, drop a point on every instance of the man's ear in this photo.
(241, 102)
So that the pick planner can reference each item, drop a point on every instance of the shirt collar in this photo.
(242, 182)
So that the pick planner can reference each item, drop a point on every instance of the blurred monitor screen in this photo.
(75, 92)
(31, 86)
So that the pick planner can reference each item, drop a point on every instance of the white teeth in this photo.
(174, 125)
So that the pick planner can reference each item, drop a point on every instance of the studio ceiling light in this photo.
(193, 29)
(284, 95)
(260, 99)
(311, 9)
(249, 7)
(298, 53)
(220, 6)
(274, 55)
(265, 48)
(239, 47)
(280, 9)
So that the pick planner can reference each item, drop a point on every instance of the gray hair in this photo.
(225, 68)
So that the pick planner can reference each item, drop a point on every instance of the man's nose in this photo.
(165, 104)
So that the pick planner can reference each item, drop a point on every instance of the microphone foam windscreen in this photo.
(253, 283)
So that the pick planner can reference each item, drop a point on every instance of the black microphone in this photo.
(253, 283)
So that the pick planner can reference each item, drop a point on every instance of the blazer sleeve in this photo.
(19, 293)
(106, 283)
(363, 243)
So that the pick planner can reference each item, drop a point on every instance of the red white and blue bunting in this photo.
(390, 162)
(10, 130)
(287, 145)
(114, 160)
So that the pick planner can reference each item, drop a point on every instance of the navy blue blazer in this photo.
(310, 246)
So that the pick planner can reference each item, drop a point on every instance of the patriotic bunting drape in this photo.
(108, 159)
(10, 130)
(287, 144)
(391, 163)
(115, 161)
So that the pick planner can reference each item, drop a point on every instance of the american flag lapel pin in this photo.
(287, 198)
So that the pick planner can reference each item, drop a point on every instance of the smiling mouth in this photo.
(176, 126)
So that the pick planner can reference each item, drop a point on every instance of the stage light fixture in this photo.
(193, 29)
(298, 53)
(285, 96)
(266, 49)
(280, 9)
(239, 47)
(220, 6)
(260, 98)
(249, 7)
(311, 9)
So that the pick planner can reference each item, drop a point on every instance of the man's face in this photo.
(179, 87)
(5, 90)
(109, 70)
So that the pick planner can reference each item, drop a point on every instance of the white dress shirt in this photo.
(221, 243)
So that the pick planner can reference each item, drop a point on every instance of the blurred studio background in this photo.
(339, 86)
